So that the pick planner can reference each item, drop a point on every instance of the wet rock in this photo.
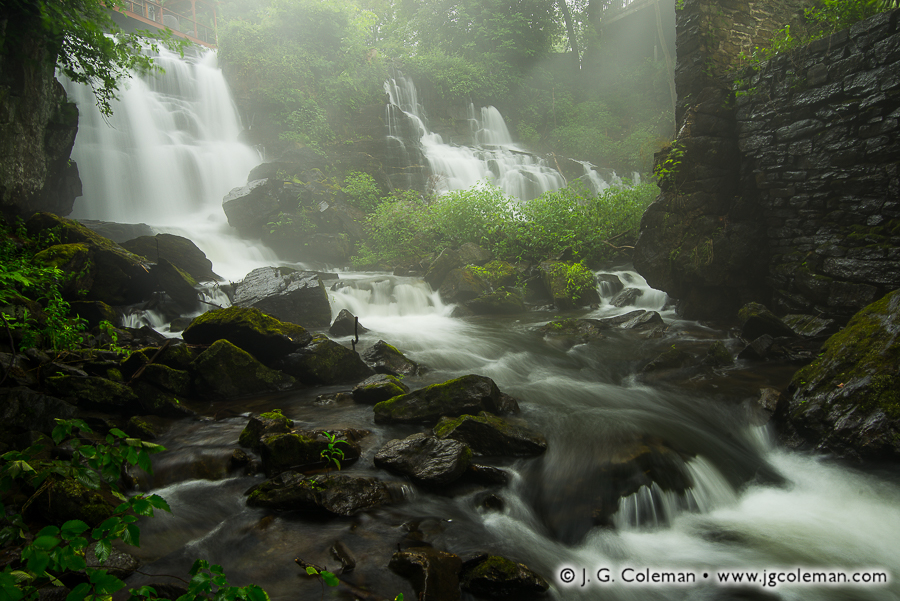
(67, 499)
(670, 359)
(94, 392)
(117, 276)
(302, 450)
(557, 278)
(249, 208)
(345, 324)
(466, 395)
(757, 320)
(335, 494)
(159, 402)
(286, 294)
(765, 406)
(94, 312)
(118, 232)
(377, 388)
(448, 260)
(462, 285)
(118, 563)
(487, 434)
(139, 427)
(343, 554)
(490, 502)
(810, 326)
(500, 578)
(609, 284)
(579, 331)
(261, 335)
(180, 251)
(434, 575)
(472, 254)
(758, 350)
(486, 475)
(426, 460)
(74, 260)
(718, 355)
(846, 401)
(270, 422)
(626, 297)
(175, 381)
(18, 370)
(324, 361)
(178, 284)
(387, 359)
(503, 301)
(645, 321)
(23, 410)
(224, 370)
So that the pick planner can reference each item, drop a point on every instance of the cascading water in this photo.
(492, 158)
(746, 506)
(167, 156)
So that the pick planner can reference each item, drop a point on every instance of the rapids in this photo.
(169, 155)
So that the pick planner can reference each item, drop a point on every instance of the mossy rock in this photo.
(140, 427)
(333, 494)
(224, 370)
(324, 361)
(175, 381)
(67, 499)
(718, 355)
(496, 273)
(672, 358)
(445, 262)
(74, 260)
(848, 400)
(466, 395)
(462, 285)
(94, 392)
(433, 574)
(497, 577)
(270, 422)
(388, 359)
(487, 434)
(94, 312)
(159, 402)
(503, 301)
(259, 334)
(180, 251)
(177, 283)
(571, 285)
(377, 388)
(301, 451)
(757, 320)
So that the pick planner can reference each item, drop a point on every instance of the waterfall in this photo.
(493, 157)
(167, 156)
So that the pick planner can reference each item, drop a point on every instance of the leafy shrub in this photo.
(362, 191)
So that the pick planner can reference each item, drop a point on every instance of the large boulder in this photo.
(487, 434)
(177, 283)
(295, 296)
(346, 324)
(847, 401)
(469, 394)
(462, 285)
(93, 392)
(335, 494)
(23, 410)
(261, 335)
(324, 361)
(426, 460)
(503, 301)
(224, 370)
(387, 359)
(757, 320)
(571, 285)
(448, 260)
(116, 276)
(302, 450)
(270, 422)
(178, 250)
(249, 208)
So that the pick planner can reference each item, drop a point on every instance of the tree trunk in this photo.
(573, 42)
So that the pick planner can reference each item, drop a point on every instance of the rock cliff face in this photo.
(782, 185)
(37, 125)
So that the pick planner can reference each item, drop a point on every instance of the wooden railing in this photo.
(161, 17)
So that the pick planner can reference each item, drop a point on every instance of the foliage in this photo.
(332, 454)
(402, 231)
(579, 280)
(75, 32)
(362, 191)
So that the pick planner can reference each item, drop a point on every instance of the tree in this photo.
(77, 41)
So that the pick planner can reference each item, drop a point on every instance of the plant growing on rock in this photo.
(332, 454)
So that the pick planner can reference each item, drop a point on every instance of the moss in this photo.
(60, 254)
(249, 318)
(864, 358)
(496, 567)
(225, 369)
(496, 273)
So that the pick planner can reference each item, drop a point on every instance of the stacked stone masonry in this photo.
(820, 143)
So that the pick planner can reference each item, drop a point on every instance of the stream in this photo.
(750, 505)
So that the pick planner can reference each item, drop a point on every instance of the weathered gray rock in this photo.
(324, 361)
(810, 326)
(626, 297)
(302, 450)
(335, 494)
(377, 388)
(757, 320)
(500, 578)
(466, 395)
(249, 208)
(94, 392)
(224, 370)
(23, 410)
(434, 574)
(345, 324)
(503, 301)
(462, 285)
(426, 460)
(609, 284)
(295, 296)
(847, 402)
(175, 282)
(387, 359)
(446, 261)
(261, 335)
(472, 254)
(270, 422)
(487, 434)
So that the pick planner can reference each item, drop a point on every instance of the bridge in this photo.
(194, 20)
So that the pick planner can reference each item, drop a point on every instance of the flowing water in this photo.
(749, 506)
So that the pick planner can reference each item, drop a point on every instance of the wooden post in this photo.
(194, 15)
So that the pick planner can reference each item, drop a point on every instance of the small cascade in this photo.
(493, 157)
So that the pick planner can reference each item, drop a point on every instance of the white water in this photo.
(584, 398)
(167, 156)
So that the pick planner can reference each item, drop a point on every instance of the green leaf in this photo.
(79, 592)
(330, 579)
(38, 562)
(255, 593)
(132, 535)
(45, 543)
(142, 506)
(158, 502)
(118, 433)
(73, 528)
(102, 550)
(312, 571)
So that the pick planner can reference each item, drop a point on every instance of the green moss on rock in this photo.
(224, 370)
(250, 329)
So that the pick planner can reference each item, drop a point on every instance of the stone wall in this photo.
(820, 142)
(781, 184)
